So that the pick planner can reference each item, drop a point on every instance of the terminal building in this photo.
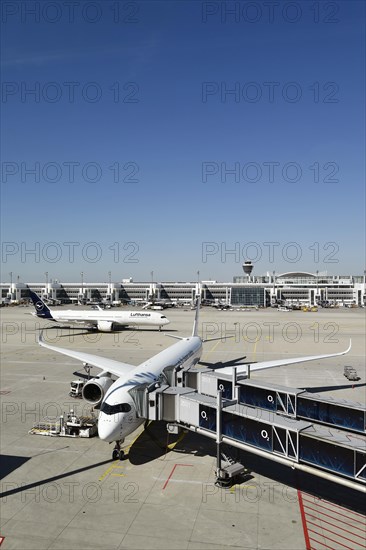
(292, 288)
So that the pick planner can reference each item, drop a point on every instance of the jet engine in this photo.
(95, 389)
(105, 326)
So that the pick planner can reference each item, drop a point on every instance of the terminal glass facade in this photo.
(247, 296)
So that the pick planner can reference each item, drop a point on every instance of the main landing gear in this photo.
(117, 453)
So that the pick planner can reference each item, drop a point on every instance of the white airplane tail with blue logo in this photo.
(42, 310)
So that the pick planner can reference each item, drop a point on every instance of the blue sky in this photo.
(179, 132)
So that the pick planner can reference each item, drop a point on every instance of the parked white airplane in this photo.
(118, 417)
(105, 321)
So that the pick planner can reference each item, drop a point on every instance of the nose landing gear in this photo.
(117, 453)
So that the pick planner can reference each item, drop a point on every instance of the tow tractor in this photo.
(76, 389)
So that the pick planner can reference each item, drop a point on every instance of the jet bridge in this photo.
(310, 432)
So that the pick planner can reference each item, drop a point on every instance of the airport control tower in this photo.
(248, 268)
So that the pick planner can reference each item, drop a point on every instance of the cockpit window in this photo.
(114, 409)
(162, 317)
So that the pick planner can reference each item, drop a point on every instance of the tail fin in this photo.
(195, 324)
(42, 310)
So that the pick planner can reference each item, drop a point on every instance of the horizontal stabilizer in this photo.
(219, 338)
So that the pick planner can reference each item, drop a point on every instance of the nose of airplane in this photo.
(108, 429)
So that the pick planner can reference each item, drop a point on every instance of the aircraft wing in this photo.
(109, 365)
(281, 362)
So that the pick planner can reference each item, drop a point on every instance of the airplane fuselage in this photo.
(91, 317)
(118, 418)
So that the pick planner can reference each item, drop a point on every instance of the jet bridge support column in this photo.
(218, 434)
(226, 475)
(218, 428)
(234, 387)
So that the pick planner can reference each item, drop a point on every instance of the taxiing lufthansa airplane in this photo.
(118, 416)
(105, 321)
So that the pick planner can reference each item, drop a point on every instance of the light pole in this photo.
(274, 286)
(82, 284)
(317, 285)
(152, 288)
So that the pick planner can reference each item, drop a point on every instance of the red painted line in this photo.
(320, 513)
(322, 543)
(320, 518)
(172, 472)
(303, 520)
(331, 503)
(342, 529)
(351, 511)
(336, 541)
(330, 508)
(334, 533)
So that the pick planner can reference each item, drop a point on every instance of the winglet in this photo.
(349, 347)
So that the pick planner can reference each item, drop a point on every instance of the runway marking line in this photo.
(113, 466)
(316, 524)
(172, 472)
